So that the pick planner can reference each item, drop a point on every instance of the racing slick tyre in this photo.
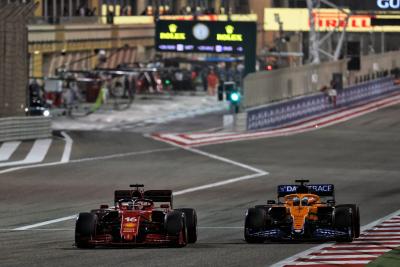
(191, 224)
(175, 225)
(255, 221)
(356, 218)
(85, 230)
(344, 220)
(174, 222)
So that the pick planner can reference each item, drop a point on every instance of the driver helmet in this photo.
(296, 201)
(124, 205)
(138, 205)
(304, 201)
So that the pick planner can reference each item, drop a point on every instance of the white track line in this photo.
(291, 260)
(258, 173)
(45, 223)
(7, 149)
(68, 147)
(121, 155)
(217, 184)
(322, 257)
(36, 154)
(238, 164)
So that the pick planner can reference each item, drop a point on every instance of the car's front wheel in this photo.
(191, 224)
(255, 221)
(175, 225)
(85, 230)
(344, 222)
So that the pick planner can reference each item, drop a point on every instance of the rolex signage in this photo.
(205, 36)
(229, 35)
(172, 33)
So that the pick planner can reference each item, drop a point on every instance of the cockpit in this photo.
(137, 204)
(301, 199)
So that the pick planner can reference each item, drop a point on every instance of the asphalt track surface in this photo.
(361, 157)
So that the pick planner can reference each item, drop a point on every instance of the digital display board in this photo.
(376, 5)
(205, 36)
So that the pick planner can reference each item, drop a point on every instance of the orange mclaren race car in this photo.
(303, 212)
(138, 218)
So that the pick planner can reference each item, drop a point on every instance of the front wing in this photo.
(287, 234)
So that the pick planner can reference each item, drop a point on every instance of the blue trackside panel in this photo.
(318, 189)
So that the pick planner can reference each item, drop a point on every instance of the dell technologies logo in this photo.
(388, 4)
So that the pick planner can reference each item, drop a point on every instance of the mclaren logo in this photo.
(229, 36)
(172, 34)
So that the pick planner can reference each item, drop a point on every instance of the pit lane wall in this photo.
(24, 128)
(261, 88)
(284, 112)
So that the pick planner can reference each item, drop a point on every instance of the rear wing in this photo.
(322, 190)
(159, 195)
(132, 194)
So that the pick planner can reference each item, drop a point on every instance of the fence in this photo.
(279, 114)
(24, 128)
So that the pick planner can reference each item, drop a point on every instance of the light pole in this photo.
(279, 43)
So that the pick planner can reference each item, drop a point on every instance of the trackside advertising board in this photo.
(297, 19)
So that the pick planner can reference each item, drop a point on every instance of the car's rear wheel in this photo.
(344, 222)
(85, 230)
(255, 221)
(191, 224)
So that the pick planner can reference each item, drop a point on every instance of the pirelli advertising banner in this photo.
(220, 37)
(297, 19)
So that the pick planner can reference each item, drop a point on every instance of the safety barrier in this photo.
(279, 114)
(264, 87)
(24, 128)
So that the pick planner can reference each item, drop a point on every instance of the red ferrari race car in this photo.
(139, 218)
